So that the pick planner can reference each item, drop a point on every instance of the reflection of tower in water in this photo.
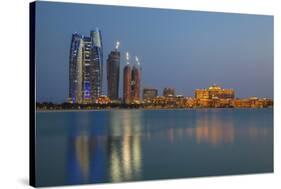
(86, 159)
(82, 149)
(125, 146)
(91, 147)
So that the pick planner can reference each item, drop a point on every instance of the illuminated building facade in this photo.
(214, 92)
(96, 68)
(149, 93)
(127, 84)
(168, 92)
(86, 62)
(75, 69)
(135, 84)
(131, 82)
(113, 69)
(85, 68)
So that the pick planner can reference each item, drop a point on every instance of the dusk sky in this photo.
(184, 50)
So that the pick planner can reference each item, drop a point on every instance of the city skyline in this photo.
(250, 73)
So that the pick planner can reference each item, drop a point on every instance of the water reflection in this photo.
(125, 148)
(82, 154)
(255, 132)
(105, 150)
(126, 145)
(208, 128)
(86, 158)
(108, 148)
(214, 130)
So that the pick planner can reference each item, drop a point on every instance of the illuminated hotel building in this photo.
(113, 69)
(214, 92)
(85, 68)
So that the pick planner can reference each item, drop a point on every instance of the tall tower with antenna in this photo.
(136, 81)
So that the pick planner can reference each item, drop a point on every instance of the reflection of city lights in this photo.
(171, 135)
(115, 166)
(208, 130)
(126, 159)
(255, 132)
(189, 132)
(214, 131)
(82, 154)
(126, 153)
(136, 154)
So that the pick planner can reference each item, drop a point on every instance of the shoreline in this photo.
(153, 109)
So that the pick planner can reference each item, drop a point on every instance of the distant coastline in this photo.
(152, 109)
(174, 105)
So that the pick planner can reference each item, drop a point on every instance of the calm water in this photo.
(130, 145)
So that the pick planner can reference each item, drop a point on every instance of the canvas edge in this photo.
(32, 12)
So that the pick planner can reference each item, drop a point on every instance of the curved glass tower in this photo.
(85, 68)
(75, 69)
(96, 68)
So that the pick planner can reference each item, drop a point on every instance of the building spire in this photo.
(137, 60)
(127, 58)
(117, 45)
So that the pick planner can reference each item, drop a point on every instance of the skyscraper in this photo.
(96, 68)
(127, 81)
(87, 63)
(85, 68)
(75, 69)
(135, 83)
(113, 69)
(127, 84)
(131, 85)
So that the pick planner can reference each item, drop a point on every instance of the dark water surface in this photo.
(129, 145)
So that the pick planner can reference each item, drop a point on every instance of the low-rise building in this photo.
(149, 93)
(169, 92)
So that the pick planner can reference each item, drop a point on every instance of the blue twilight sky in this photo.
(185, 50)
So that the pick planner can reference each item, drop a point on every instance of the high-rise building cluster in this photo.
(86, 72)
(86, 82)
